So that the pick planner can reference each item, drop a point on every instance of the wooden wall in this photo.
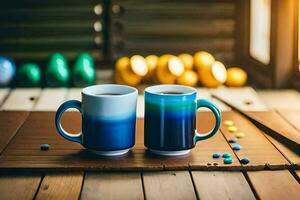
(31, 30)
(166, 26)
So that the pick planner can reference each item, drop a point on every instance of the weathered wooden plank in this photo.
(285, 99)
(74, 93)
(50, 99)
(21, 99)
(291, 115)
(244, 98)
(140, 107)
(274, 124)
(255, 146)
(204, 93)
(18, 186)
(10, 122)
(112, 186)
(291, 155)
(274, 184)
(168, 185)
(3, 93)
(66, 185)
(221, 185)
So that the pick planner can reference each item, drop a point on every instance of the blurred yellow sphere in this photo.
(152, 61)
(187, 60)
(189, 78)
(130, 71)
(122, 64)
(138, 65)
(203, 59)
(236, 77)
(168, 69)
(213, 76)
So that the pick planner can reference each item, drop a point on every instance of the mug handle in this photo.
(217, 114)
(62, 108)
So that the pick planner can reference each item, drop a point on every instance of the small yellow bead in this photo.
(232, 129)
(240, 135)
(228, 123)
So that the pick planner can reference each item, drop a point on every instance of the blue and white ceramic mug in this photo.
(108, 119)
(170, 119)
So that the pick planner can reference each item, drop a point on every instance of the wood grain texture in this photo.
(291, 155)
(274, 185)
(66, 185)
(168, 185)
(272, 123)
(255, 146)
(51, 99)
(18, 185)
(21, 99)
(222, 185)
(3, 93)
(24, 151)
(10, 122)
(291, 115)
(112, 186)
(244, 98)
(280, 99)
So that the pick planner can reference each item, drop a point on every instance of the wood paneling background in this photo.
(158, 27)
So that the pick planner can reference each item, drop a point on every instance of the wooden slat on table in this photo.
(21, 99)
(19, 186)
(64, 185)
(280, 99)
(168, 185)
(275, 185)
(292, 156)
(222, 185)
(244, 98)
(272, 120)
(10, 122)
(112, 186)
(51, 99)
(24, 151)
(255, 146)
(3, 93)
(74, 93)
(292, 116)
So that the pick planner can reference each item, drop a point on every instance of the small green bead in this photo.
(228, 160)
(226, 155)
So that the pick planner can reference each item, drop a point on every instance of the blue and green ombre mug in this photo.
(170, 119)
(108, 119)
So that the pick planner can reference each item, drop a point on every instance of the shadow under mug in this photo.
(170, 119)
(108, 119)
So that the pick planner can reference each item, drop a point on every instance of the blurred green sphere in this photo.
(57, 72)
(29, 75)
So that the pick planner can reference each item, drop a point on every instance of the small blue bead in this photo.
(232, 140)
(45, 147)
(236, 147)
(226, 155)
(216, 155)
(245, 161)
(228, 160)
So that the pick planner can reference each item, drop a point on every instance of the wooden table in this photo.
(274, 173)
